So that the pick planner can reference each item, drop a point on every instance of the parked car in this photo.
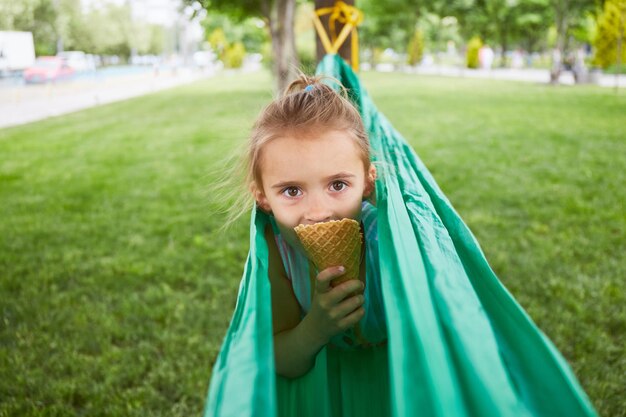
(78, 60)
(46, 69)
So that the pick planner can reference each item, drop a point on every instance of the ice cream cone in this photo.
(333, 243)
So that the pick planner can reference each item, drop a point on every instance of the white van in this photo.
(17, 52)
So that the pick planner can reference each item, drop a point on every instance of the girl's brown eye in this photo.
(292, 191)
(338, 185)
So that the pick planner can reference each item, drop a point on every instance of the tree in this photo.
(279, 16)
(36, 16)
(17, 14)
(532, 22)
(438, 31)
(567, 13)
(506, 22)
(390, 23)
(395, 24)
(112, 30)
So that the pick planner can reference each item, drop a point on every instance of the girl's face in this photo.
(314, 179)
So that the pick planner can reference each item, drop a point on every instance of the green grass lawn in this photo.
(117, 286)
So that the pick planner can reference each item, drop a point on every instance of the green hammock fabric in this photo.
(459, 343)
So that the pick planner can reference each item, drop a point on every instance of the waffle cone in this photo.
(333, 243)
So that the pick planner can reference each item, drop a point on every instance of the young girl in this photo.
(309, 162)
(459, 344)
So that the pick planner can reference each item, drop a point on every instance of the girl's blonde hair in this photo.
(308, 106)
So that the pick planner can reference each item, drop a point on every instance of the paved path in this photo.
(21, 104)
(527, 75)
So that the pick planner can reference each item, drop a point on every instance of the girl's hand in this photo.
(334, 310)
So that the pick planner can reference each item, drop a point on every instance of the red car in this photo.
(46, 69)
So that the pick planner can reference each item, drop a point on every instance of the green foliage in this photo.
(234, 55)
(473, 48)
(415, 49)
(387, 24)
(438, 31)
(232, 39)
(157, 40)
(611, 28)
(267, 54)
(237, 10)
(532, 19)
(307, 55)
(251, 32)
(551, 36)
(507, 23)
(16, 14)
(36, 16)
(112, 31)
(586, 29)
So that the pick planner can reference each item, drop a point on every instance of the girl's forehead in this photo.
(311, 155)
(337, 144)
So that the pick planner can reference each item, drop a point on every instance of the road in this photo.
(20, 104)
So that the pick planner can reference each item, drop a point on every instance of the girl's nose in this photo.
(317, 211)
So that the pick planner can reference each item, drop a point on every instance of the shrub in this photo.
(608, 33)
(234, 54)
(415, 49)
(473, 47)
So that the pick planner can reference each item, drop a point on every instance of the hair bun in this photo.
(303, 83)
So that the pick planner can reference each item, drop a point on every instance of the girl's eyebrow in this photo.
(342, 175)
(285, 184)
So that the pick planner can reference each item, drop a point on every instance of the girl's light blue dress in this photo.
(372, 325)
(345, 358)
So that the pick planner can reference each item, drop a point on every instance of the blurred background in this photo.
(581, 37)
(60, 55)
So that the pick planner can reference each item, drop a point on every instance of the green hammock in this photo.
(459, 343)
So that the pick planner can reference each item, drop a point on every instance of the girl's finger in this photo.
(322, 283)
(349, 305)
(345, 289)
(351, 319)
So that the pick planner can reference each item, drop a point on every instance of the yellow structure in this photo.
(351, 17)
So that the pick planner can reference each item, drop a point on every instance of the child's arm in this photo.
(294, 349)
(296, 343)
(331, 312)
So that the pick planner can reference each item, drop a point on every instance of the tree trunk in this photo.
(504, 44)
(345, 51)
(559, 50)
(281, 16)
